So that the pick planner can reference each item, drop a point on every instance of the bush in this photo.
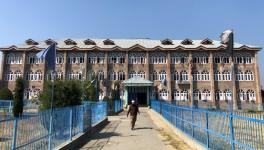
(18, 98)
(66, 93)
(6, 94)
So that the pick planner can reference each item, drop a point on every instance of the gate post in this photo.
(15, 121)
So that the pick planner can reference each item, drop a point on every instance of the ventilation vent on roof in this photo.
(187, 42)
(89, 42)
(207, 42)
(31, 42)
(50, 41)
(70, 42)
(108, 42)
(167, 42)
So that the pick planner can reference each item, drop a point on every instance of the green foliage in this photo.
(89, 91)
(115, 93)
(6, 94)
(66, 93)
(18, 98)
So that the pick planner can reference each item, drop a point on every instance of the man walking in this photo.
(133, 111)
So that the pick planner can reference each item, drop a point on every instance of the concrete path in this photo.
(117, 135)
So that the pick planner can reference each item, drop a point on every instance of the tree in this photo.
(18, 98)
(66, 93)
(6, 94)
(90, 90)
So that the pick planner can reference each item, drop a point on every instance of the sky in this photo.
(155, 19)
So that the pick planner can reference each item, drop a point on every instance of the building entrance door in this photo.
(142, 98)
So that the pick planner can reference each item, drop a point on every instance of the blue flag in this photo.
(49, 55)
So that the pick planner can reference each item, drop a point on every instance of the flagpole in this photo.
(51, 109)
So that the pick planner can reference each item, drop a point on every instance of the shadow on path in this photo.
(142, 128)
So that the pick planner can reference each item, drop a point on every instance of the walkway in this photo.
(146, 136)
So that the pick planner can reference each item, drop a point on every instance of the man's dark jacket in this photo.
(133, 110)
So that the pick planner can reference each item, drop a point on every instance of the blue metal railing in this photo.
(118, 106)
(32, 132)
(215, 130)
(6, 105)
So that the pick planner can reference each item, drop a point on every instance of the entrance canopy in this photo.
(137, 81)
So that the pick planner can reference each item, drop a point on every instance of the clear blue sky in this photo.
(156, 19)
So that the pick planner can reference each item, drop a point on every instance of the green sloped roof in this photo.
(137, 81)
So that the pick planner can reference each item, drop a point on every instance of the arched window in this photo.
(228, 94)
(217, 76)
(14, 58)
(179, 58)
(226, 76)
(155, 75)
(201, 58)
(141, 74)
(239, 75)
(96, 58)
(219, 95)
(162, 75)
(132, 74)
(90, 75)
(59, 58)
(184, 75)
(205, 75)
(116, 58)
(17, 74)
(59, 75)
(112, 75)
(247, 58)
(76, 58)
(100, 75)
(30, 76)
(75, 75)
(176, 95)
(158, 58)
(225, 59)
(38, 75)
(121, 75)
(175, 76)
(206, 95)
(238, 59)
(241, 95)
(251, 95)
(33, 59)
(184, 95)
(9, 76)
(196, 75)
(217, 59)
(249, 75)
(163, 94)
(196, 95)
(137, 58)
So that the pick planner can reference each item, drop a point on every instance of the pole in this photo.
(51, 109)
(231, 49)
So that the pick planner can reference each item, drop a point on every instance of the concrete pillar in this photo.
(258, 86)
(106, 80)
(212, 82)
(85, 65)
(3, 62)
(168, 71)
(147, 66)
(126, 66)
(24, 63)
(65, 65)
(190, 79)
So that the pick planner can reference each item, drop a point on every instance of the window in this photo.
(76, 58)
(163, 94)
(137, 58)
(228, 94)
(196, 95)
(226, 76)
(179, 58)
(206, 95)
(238, 59)
(217, 59)
(116, 58)
(32, 59)
(162, 75)
(30, 76)
(219, 95)
(90, 75)
(196, 76)
(158, 58)
(225, 59)
(100, 75)
(184, 95)
(184, 76)
(30, 94)
(251, 95)
(38, 75)
(112, 75)
(180, 95)
(74, 75)
(59, 75)
(240, 76)
(200, 58)
(96, 58)
(141, 74)
(176, 95)
(175, 76)
(205, 76)
(155, 75)
(217, 76)
(248, 75)
(132, 74)
(17, 74)
(14, 58)
(59, 58)
(121, 75)
(9, 76)
(242, 95)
